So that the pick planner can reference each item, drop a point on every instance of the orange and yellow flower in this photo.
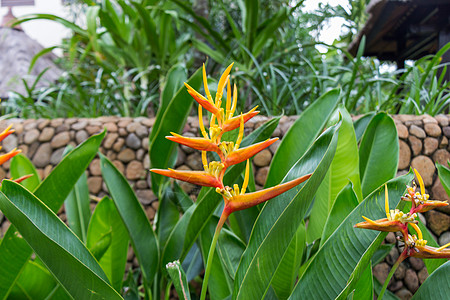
(223, 120)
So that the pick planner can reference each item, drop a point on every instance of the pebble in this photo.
(31, 136)
(417, 131)
(402, 131)
(94, 184)
(438, 222)
(411, 280)
(444, 238)
(416, 145)
(441, 156)
(425, 167)
(135, 170)
(61, 139)
(404, 155)
(262, 158)
(404, 294)
(133, 141)
(126, 155)
(433, 129)
(430, 145)
(46, 134)
(416, 263)
(42, 155)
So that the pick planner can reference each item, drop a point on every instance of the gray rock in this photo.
(81, 136)
(46, 134)
(31, 136)
(42, 156)
(56, 156)
(133, 141)
(444, 238)
(9, 143)
(411, 280)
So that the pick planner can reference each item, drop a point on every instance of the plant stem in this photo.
(212, 248)
(391, 273)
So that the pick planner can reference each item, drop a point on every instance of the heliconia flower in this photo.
(236, 199)
(195, 177)
(5, 157)
(6, 132)
(395, 220)
(420, 201)
(239, 155)
(417, 247)
(209, 106)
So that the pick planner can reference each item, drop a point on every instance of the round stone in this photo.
(194, 161)
(444, 239)
(56, 156)
(404, 155)
(133, 141)
(430, 145)
(438, 222)
(94, 184)
(441, 156)
(402, 131)
(446, 131)
(411, 280)
(404, 294)
(262, 158)
(126, 155)
(119, 165)
(109, 140)
(261, 175)
(110, 127)
(145, 196)
(94, 167)
(399, 274)
(42, 156)
(46, 134)
(444, 142)
(118, 144)
(61, 139)
(433, 129)
(135, 170)
(422, 274)
(80, 124)
(81, 136)
(426, 168)
(416, 263)
(381, 271)
(10, 142)
(417, 131)
(416, 144)
(31, 136)
(442, 120)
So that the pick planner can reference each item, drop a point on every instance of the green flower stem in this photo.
(212, 248)
(391, 273)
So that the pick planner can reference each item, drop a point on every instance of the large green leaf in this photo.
(360, 125)
(286, 274)
(143, 238)
(35, 282)
(55, 244)
(436, 286)
(301, 135)
(347, 252)
(77, 208)
(21, 166)
(280, 219)
(162, 151)
(14, 252)
(196, 217)
(376, 164)
(106, 221)
(344, 168)
(345, 202)
(364, 287)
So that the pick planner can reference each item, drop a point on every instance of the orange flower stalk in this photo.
(223, 120)
(6, 132)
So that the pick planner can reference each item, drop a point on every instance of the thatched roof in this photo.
(16, 52)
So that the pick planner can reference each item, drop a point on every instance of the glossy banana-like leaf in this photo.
(142, 236)
(14, 251)
(106, 221)
(280, 218)
(378, 153)
(55, 244)
(301, 135)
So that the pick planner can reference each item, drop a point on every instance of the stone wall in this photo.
(423, 141)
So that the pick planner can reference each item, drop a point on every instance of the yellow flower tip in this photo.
(368, 220)
(246, 177)
(421, 184)
(443, 247)
(386, 202)
(417, 229)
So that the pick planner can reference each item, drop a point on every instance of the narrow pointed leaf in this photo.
(301, 135)
(55, 244)
(346, 253)
(344, 168)
(143, 238)
(52, 191)
(345, 202)
(106, 221)
(77, 208)
(280, 218)
(179, 280)
(376, 164)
